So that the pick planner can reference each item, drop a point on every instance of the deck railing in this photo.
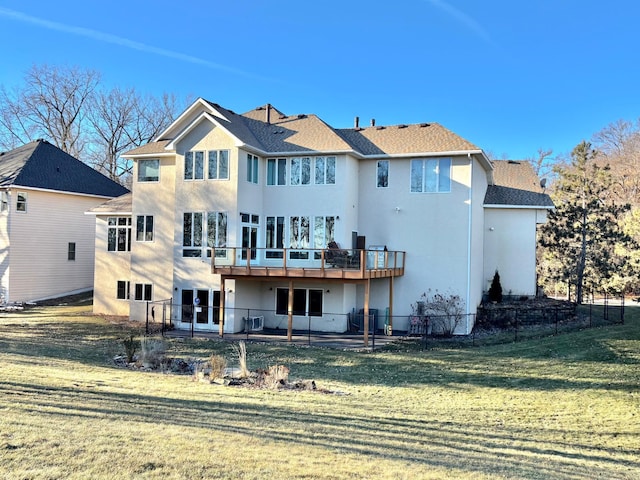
(308, 258)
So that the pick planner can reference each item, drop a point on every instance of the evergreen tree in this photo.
(583, 231)
(495, 290)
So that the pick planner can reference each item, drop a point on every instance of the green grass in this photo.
(563, 407)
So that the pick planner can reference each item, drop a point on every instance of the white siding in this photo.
(39, 239)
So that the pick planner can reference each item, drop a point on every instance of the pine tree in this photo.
(583, 230)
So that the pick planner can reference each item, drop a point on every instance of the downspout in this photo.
(468, 302)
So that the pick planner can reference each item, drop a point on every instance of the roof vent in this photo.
(356, 123)
(302, 115)
(373, 122)
(424, 125)
(513, 162)
(402, 126)
(381, 127)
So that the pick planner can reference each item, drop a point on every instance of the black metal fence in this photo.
(502, 323)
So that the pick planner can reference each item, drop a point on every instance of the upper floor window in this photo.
(325, 170)
(300, 171)
(21, 202)
(274, 237)
(148, 170)
(194, 233)
(431, 175)
(4, 201)
(276, 171)
(71, 251)
(194, 165)
(119, 234)
(144, 228)
(252, 168)
(383, 173)
(218, 165)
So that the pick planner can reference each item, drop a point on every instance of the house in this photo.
(288, 223)
(47, 242)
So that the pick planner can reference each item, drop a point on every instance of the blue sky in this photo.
(510, 76)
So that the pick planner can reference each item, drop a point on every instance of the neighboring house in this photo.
(47, 242)
(235, 216)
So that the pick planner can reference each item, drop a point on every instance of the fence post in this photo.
(246, 322)
(146, 327)
(193, 319)
(373, 336)
(309, 331)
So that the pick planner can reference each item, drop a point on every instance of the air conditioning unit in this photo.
(254, 324)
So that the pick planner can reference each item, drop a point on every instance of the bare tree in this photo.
(50, 105)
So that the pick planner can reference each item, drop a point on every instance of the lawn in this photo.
(562, 407)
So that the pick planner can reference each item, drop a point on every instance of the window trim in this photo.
(71, 251)
(191, 161)
(4, 201)
(145, 293)
(424, 172)
(385, 178)
(116, 227)
(126, 289)
(298, 294)
(22, 202)
(253, 169)
(217, 162)
(147, 234)
(140, 179)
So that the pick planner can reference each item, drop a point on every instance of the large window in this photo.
(306, 302)
(194, 165)
(148, 170)
(143, 292)
(276, 171)
(431, 175)
(275, 237)
(218, 165)
(325, 170)
(144, 228)
(252, 168)
(382, 174)
(299, 237)
(192, 234)
(21, 202)
(300, 171)
(216, 232)
(119, 234)
(122, 291)
(323, 232)
(4, 201)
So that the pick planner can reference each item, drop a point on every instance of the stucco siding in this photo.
(510, 245)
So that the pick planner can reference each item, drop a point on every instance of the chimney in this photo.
(268, 113)
(373, 122)
(356, 122)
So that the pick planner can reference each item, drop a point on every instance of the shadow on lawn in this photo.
(490, 449)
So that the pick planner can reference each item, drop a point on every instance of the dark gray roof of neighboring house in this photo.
(39, 164)
(516, 184)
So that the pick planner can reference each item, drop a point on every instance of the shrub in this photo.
(218, 364)
(444, 311)
(131, 346)
(495, 290)
(240, 350)
(276, 376)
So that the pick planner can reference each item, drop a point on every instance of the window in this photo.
(192, 234)
(217, 232)
(71, 251)
(305, 302)
(431, 175)
(21, 202)
(252, 168)
(299, 237)
(148, 170)
(143, 292)
(383, 174)
(218, 165)
(194, 165)
(275, 237)
(323, 232)
(300, 171)
(144, 228)
(325, 169)
(122, 292)
(119, 234)
(4, 201)
(276, 171)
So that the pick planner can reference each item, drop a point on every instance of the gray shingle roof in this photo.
(39, 164)
(516, 184)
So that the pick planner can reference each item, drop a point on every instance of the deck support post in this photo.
(223, 294)
(290, 313)
(390, 326)
(367, 288)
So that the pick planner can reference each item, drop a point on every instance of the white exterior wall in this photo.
(476, 246)
(5, 251)
(153, 262)
(510, 246)
(110, 267)
(39, 239)
(433, 228)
